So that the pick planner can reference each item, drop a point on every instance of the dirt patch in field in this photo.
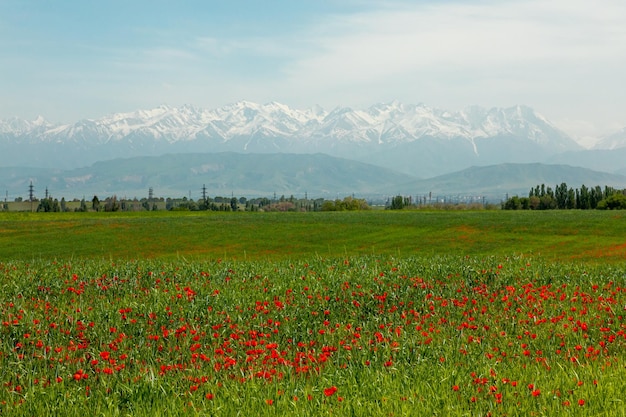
(466, 233)
(613, 251)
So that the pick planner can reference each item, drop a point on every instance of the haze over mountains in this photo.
(413, 141)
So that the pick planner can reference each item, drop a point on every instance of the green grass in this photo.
(585, 236)
(440, 335)
(404, 313)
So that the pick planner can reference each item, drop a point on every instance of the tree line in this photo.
(115, 204)
(563, 197)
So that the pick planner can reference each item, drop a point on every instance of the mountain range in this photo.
(315, 175)
(412, 140)
(381, 134)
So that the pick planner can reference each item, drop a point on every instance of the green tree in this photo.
(397, 203)
(547, 202)
(571, 199)
(95, 203)
(584, 198)
(613, 202)
(534, 202)
(560, 196)
(513, 203)
(111, 204)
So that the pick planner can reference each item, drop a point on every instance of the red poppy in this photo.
(330, 391)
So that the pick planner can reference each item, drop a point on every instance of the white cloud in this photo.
(496, 53)
(567, 59)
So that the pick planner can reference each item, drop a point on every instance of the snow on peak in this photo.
(613, 141)
(380, 123)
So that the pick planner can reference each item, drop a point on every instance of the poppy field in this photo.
(344, 335)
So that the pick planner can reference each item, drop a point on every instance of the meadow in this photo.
(375, 313)
(556, 235)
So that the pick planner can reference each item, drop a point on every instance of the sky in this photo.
(74, 59)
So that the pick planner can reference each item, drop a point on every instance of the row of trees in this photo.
(112, 204)
(400, 202)
(564, 197)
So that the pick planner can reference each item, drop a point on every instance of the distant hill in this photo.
(260, 175)
(498, 180)
(607, 160)
(223, 174)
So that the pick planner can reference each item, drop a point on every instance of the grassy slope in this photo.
(556, 235)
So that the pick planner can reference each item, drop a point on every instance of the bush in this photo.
(613, 202)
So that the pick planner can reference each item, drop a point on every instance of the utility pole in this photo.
(31, 195)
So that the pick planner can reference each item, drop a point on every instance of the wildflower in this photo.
(581, 402)
(330, 391)
(455, 387)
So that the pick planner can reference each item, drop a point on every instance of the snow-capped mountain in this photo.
(17, 127)
(413, 138)
(613, 141)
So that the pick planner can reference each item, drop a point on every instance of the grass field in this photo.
(586, 236)
(359, 314)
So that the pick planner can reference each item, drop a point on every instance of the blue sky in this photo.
(68, 60)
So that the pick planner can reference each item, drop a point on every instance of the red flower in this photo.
(330, 391)
(581, 402)
(455, 387)
(209, 396)
(536, 393)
